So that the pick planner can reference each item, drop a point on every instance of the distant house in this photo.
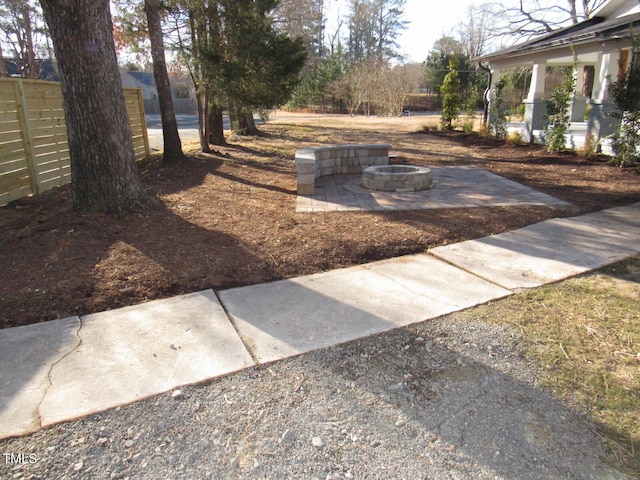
(182, 92)
(46, 69)
(600, 49)
(141, 80)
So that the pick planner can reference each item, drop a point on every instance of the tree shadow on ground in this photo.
(445, 397)
(99, 262)
(274, 167)
(250, 151)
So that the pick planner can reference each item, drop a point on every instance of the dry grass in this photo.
(585, 334)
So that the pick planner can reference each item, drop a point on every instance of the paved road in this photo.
(187, 122)
(187, 127)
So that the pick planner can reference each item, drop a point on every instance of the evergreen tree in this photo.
(240, 61)
(261, 65)
(374, 26)
(451, 99)
(559, 113)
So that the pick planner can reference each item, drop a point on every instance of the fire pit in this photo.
(397, 178)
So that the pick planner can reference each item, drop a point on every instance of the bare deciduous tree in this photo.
(348, 90)
(377, 87)
(527, 18)
(474, 32)
(305, 19)
(20, 23)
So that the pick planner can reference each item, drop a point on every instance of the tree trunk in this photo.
(248, 125)
(216, 136)
(204, 119)
(199, 42)
(172, 145)
(3, 67)
(31, 55)
(234, 121)
(103, 167)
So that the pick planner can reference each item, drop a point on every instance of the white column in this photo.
(579, 103)
(599, 124)
(536, 88)
(535, 109)
(491, 96)
(606, 71)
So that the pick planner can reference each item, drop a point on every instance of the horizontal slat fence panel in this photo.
(34, 150)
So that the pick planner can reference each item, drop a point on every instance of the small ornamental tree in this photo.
(451, 99)
(625, 95)
(559, 113)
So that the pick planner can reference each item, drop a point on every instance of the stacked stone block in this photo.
(397, 178)
(315, 162)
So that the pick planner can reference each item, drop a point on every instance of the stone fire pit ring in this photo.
(397, 178)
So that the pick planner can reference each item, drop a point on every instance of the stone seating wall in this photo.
(315, 162)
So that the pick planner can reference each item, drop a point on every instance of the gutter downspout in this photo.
(485, 98)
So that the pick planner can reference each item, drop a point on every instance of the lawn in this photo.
(584, 334)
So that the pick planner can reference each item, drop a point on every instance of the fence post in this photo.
(143, 121)
(27, 141)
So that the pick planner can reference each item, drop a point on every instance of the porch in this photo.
(598, 50)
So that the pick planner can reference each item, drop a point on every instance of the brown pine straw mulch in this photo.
(230, 220)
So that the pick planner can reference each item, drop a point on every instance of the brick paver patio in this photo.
(454, 187)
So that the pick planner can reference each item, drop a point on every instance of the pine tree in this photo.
(103, 167)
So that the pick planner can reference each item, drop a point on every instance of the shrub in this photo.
(590, 147)
(468, 124)
(430, 127)
(498, 111)
(558, 113)
(451, 100)
(625, 95)
(515, 138)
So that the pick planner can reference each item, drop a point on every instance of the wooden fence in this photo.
(34, 153)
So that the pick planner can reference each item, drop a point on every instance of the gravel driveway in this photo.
(451, 398)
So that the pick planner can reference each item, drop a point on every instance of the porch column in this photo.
(535, 109)
(491, 96)
(579, 102)
(600, 124)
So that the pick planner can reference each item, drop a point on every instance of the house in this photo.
(599, 50)
(182, 92)
(46, 69)
(142, 80)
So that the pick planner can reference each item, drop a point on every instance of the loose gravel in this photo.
(451, 398)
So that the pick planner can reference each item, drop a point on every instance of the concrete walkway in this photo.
(65, 369)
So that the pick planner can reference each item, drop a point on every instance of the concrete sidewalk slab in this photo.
(65, 369)
(551, 250)
(27, 355)
(289, 317)
(135, 352)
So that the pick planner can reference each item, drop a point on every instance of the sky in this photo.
(429, 21)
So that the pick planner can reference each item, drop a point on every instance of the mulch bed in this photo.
(229, 220)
